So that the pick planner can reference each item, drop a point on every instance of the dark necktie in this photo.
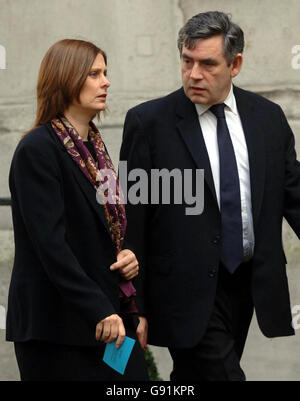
(230, 199)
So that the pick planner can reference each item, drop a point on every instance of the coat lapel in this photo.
(191, 133)
(190, 130)
(84, 184)
(90, 194)
(256, 148)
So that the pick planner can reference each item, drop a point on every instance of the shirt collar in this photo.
(230, 103)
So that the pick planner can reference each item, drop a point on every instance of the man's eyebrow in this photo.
(209, 60)
(203, 60)
(184, 55)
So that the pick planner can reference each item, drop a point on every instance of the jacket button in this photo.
(216, 240)
(212, 273)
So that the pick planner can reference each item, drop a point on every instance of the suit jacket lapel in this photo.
(84, 184)
(90, 194)
(256, 148)
(191, 133)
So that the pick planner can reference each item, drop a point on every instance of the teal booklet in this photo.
(117, 358)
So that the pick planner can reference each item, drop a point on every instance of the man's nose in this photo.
(196, 72)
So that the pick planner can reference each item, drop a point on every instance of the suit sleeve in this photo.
(135, 151)
(36, 187)
(292, 179)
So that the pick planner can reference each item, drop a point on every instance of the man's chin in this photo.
(199, 99)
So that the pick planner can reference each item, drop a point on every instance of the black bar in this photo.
(5, 202)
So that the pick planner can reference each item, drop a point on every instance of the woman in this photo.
(70, 290)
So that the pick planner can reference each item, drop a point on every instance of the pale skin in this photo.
(206, 75)
(207, 79)
(92, 100)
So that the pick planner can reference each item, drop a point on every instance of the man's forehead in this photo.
(214, 43)
(203, 49)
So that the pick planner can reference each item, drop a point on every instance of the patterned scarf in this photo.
(114, 210)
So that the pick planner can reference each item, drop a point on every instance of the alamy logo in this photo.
(154, 187)
(2, 317)
(296, 58)
(296, 317)
(2, 58)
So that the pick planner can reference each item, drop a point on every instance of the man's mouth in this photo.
(197, 89)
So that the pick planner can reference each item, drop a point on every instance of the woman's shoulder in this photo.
(38, 136)
(41, 139)
(40, 144)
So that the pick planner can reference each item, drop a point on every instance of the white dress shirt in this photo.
(208, 123)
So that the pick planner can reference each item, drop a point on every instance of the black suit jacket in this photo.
(61, 284)
(179, 254)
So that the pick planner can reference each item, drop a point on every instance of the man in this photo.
(201, 275)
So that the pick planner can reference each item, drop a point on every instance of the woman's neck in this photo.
(79, 121)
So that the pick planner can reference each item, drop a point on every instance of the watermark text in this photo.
(2, 317)
(296, 58)
(296, 317)
(155, 187)
(2, 58)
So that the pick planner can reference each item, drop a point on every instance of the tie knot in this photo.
(218, 110)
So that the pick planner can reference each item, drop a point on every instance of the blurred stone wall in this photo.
(139, 37)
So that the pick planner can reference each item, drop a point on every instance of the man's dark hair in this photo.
(209, 24)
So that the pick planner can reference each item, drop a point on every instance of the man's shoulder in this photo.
(161, 104)
(253, 98)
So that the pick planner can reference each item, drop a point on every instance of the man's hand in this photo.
(127, 264)
(142, 332)
(111, 328)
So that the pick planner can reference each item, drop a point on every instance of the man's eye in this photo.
(187, 62)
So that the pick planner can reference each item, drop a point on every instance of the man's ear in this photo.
(236, 65)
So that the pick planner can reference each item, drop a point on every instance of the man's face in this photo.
(206, 75)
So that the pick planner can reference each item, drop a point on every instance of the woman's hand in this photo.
(142, 332)
(127, 264)
(111, 328)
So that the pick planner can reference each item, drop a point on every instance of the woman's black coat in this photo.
(61, 284)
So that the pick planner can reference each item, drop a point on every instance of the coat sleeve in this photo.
(292, 179)
(135, 151)
(37, 190)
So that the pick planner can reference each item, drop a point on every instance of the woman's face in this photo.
(93, 94)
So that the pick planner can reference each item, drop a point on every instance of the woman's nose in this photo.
(106, 82)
